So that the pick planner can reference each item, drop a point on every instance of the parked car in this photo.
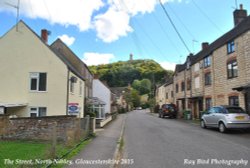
(225, 117)
(138, 108)
(169, 110)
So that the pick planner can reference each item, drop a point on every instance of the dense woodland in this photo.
(122, 73)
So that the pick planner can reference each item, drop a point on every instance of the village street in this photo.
(160, 143)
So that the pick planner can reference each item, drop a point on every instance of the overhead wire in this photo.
(207, 17)
(135, 37)
(175, 28)
(179, 19)
(165, 32)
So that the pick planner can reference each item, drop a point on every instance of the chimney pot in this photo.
(44, 35)
(241, 7)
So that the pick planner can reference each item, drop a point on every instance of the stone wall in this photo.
(68, 128)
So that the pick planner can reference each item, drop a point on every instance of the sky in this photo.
(105, 31)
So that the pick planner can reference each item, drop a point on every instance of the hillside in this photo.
(122, 73)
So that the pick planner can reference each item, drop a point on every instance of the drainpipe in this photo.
(67, 94)
(185, 88)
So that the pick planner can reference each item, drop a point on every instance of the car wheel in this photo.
(203, 125)
(222, 128)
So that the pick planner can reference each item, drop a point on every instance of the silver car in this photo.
(225, 117)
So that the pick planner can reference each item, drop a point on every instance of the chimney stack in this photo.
(204, 45)
(239, 15)
(44, 35)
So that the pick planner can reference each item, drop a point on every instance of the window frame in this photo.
(188, 84)
(208, 79)
(207, 61)
(37, 111)
(208, 103)
(230, 47)
(71, 86)
(176, 88)
(235, 100)
(231, 73)
(80, 88)
(182, 86)
(197, 82)
(37, 77)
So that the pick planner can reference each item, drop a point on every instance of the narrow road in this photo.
(152, 142)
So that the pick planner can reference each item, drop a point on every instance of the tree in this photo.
(120, 74)
(136, 99)
(143, 86)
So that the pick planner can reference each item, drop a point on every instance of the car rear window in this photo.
(235, 110)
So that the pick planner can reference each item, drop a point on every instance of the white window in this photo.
(38, 81)
(207, 61)
(197, 82)
(80, 88)
(73, 80)
(38, 111)
(196, 67)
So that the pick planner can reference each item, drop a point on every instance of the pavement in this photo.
(102, 150)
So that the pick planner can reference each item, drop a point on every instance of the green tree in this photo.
(136, 98)
(120, 74)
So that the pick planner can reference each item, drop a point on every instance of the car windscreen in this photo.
(235, 110)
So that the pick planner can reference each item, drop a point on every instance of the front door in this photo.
(200, 107)
(195, 109)
(247, 101)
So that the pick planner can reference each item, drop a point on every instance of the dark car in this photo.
(168, 110)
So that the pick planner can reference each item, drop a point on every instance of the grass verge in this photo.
(18, 154)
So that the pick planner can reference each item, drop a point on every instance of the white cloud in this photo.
(97, 58)
(110, 24)
(66, 39)
(168, 65)
(66, 12)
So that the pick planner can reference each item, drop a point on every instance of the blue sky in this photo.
(103, 31)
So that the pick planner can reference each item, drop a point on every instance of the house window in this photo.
(182, 86)
(197, 82)
(233, 101)
(208, 79)
(167, 95)
(73, 80)
(80, 88)
(208, 103)
(196, 67)
(172, 94)
(99, 111)
(38, 81)
(38, 111)
(230, 47)
(176, 88)
(232, 69)
(188, 84)
(207, 61)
